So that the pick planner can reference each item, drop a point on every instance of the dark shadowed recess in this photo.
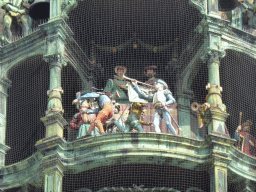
(26, 104)
(156, 23)
(139, 174)
(238, 79)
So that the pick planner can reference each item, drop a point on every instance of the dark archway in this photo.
(26, 104)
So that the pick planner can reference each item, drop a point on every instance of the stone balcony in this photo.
(127, 148)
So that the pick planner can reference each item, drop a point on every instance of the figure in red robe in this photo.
(245, 141)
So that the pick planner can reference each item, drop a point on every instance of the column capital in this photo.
(212, 55)
(55, 60)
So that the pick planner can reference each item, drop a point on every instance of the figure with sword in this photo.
(161, 99)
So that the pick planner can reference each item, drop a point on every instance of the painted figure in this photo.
(245, 141)
(105, 110)
(82, 120)
(150, 72)
(133, 121)
(161, 99)
(15, 9)
(117, 88)
(200, 110)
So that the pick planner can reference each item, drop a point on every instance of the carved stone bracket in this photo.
(212, 55)
(4, 148)
(5, 81)
(200, 5)
(67, 6)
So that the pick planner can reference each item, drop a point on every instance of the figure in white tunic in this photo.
(161, 99)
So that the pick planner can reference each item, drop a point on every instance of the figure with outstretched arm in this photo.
(161, 99)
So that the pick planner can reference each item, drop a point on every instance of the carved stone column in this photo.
(53, 120)
(51, 163)
(219, 163)
(184, 112)
(53, 178)
(55, 9)
(4, 85)
(213, 7)
(237, 18)
(57, 33)
(217, 115)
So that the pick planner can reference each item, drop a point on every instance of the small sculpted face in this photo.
(150, 73)
(83, 108)
(246, 129)
(120, 72)
(159, 87)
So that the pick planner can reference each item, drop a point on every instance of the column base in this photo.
(54, 123)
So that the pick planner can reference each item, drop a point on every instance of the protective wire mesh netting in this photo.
(134, 35)
(122, 177)
(26, 104)
(237, 75)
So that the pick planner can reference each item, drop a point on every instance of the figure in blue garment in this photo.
(161, 99)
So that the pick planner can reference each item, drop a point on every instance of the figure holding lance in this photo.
(246, 142)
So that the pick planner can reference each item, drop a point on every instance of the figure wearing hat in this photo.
(117, 88)
(82, 120)
(150, 72)
(105, 110)
(246, 142)
(161, 99)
